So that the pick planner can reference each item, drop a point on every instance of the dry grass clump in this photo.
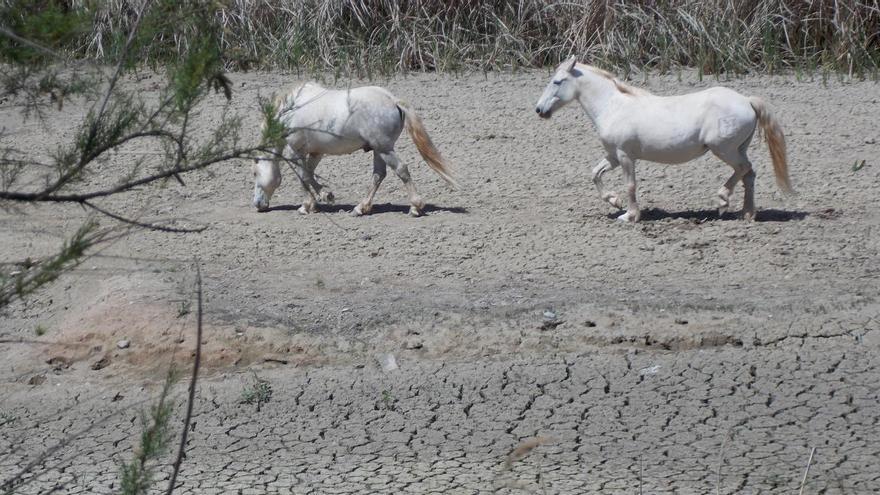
(385, 36)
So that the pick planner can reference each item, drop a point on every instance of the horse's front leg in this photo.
(379, 172)
(598, 171)
(628, 165)
(309, 205)
(321, 193)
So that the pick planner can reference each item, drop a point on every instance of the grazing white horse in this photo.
(322, 121)
(634, 124)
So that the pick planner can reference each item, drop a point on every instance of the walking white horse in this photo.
(634, 124)
(322, 121)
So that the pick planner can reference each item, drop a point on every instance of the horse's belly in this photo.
(678, 154)
(669, 144)
(325, 143)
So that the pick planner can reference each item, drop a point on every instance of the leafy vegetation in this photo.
(39, 43)
(137, 475)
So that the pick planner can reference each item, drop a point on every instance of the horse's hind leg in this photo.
(379, 172)
(749, 196)
(598, 171)
(742, 171)
(416, 204)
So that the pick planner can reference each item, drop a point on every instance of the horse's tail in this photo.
(775, 142)
(426, 147)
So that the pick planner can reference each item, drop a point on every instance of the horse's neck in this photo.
(304, 93)
(597, 96)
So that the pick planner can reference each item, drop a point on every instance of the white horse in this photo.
(634, 124)
(322, 121)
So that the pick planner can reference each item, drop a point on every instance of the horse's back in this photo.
(679, 128)
(343, 121)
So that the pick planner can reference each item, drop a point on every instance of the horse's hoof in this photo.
(614, 201)
(628, 217)
(305, 210)
(415, 212)
(327, 197)
(749, 216)
(360, 210)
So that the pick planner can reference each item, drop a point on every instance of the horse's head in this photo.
(267, 177)
(561, 89)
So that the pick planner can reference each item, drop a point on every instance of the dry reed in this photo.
(367, 37)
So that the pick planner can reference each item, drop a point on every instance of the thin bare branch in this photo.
(807, 472)
(127, 186)
(191, 398)
(145, 225)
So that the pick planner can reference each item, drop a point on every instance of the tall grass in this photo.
(386, 36)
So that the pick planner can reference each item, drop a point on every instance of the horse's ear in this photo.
(572, 62)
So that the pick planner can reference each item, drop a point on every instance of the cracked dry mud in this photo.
(685, 354)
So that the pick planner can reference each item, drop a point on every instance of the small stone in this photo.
(123, 344)
(37, 380)
(650, 370)
(870, 140)
(550, 315)
(387, 362)
(59, 363)
(101, 363)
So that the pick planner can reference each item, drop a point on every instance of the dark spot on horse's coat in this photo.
(367, 148)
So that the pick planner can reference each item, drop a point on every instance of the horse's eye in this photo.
(558, 82)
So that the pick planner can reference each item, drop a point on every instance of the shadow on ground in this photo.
(377, 208)
(700, 216)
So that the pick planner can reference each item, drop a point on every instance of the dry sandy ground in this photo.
(685, 354)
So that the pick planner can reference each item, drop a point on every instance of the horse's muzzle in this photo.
(543, 115)
(260, 204)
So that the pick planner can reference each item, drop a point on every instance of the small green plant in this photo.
(258, 392)
(387, 400)
(183, 308)
(40, 330)
(7, 418)
(858, 165)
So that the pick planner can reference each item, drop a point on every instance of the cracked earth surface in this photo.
(685, 354)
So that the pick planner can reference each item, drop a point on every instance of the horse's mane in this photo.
(283, 101)
(287, 99)
(620, 85)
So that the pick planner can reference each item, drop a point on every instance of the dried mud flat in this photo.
(685, 354)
